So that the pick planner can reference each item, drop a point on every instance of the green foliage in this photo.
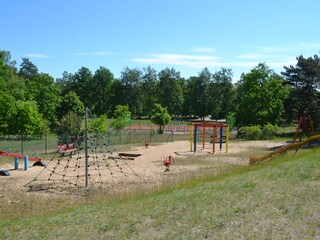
(304, 82)
(198, 93)
(231, 119)
(261, 98)
(70, 102)
(8, 111)
(250, 133)
(27, 69)
(221, 94)
(121, 117)
(269, 131)
(26, 120)
(102, 91)
(131, 80)
(69, 127)
(149, 90)
(82, 85)
(170, 92)
(98, 124)
(160, 116)
(43, 90)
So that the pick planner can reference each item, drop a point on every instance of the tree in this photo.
(197, 93)
(27, 69)
(5, 58)
(68, 128)
(102, 91)
(303, 80)
(43, 90)
(221, 94)
(117, 98)
(149, 90)
(160, 116)
(131, 84)
(121, 117)
(82, 85)
(8, 110)
(9, 80)
(98, 124)
(27, 120)
(70, 102)
(65, 83)
(262, 97)
(170, 92)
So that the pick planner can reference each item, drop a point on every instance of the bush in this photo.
(250, 133)
(269, 131)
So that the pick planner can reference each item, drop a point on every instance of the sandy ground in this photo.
(65, 173)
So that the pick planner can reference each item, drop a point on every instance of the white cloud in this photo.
(295, 47)
(36, 55)
(244, 62)
(203, 50)
(177, 59)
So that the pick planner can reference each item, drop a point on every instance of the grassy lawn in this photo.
(278, 199)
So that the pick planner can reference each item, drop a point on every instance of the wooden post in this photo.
(214, 139)
(190, 137)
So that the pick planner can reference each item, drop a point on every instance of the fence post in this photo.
(129, 136)
(21, 144)
(46, 144)
(150, 134)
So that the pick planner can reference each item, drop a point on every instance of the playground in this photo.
(146, 171)
(98, 170)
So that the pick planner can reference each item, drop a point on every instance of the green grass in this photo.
(278, 199)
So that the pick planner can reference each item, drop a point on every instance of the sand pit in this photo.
(148, 167)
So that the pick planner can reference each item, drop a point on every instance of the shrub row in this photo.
(269, 131)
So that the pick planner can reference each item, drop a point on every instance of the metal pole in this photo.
(22, 144)
(227, 138)
(221, 138)
(86, 147)
(195, 139)
(46, 144)
(203, 135)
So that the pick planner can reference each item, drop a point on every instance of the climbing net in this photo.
(105, 166)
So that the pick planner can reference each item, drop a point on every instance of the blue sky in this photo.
(189, 35)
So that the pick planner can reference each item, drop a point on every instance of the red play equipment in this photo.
(67, 148)
(168, 162)
(16, 157)
(305, 125)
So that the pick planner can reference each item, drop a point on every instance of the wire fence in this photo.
(38, 145)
